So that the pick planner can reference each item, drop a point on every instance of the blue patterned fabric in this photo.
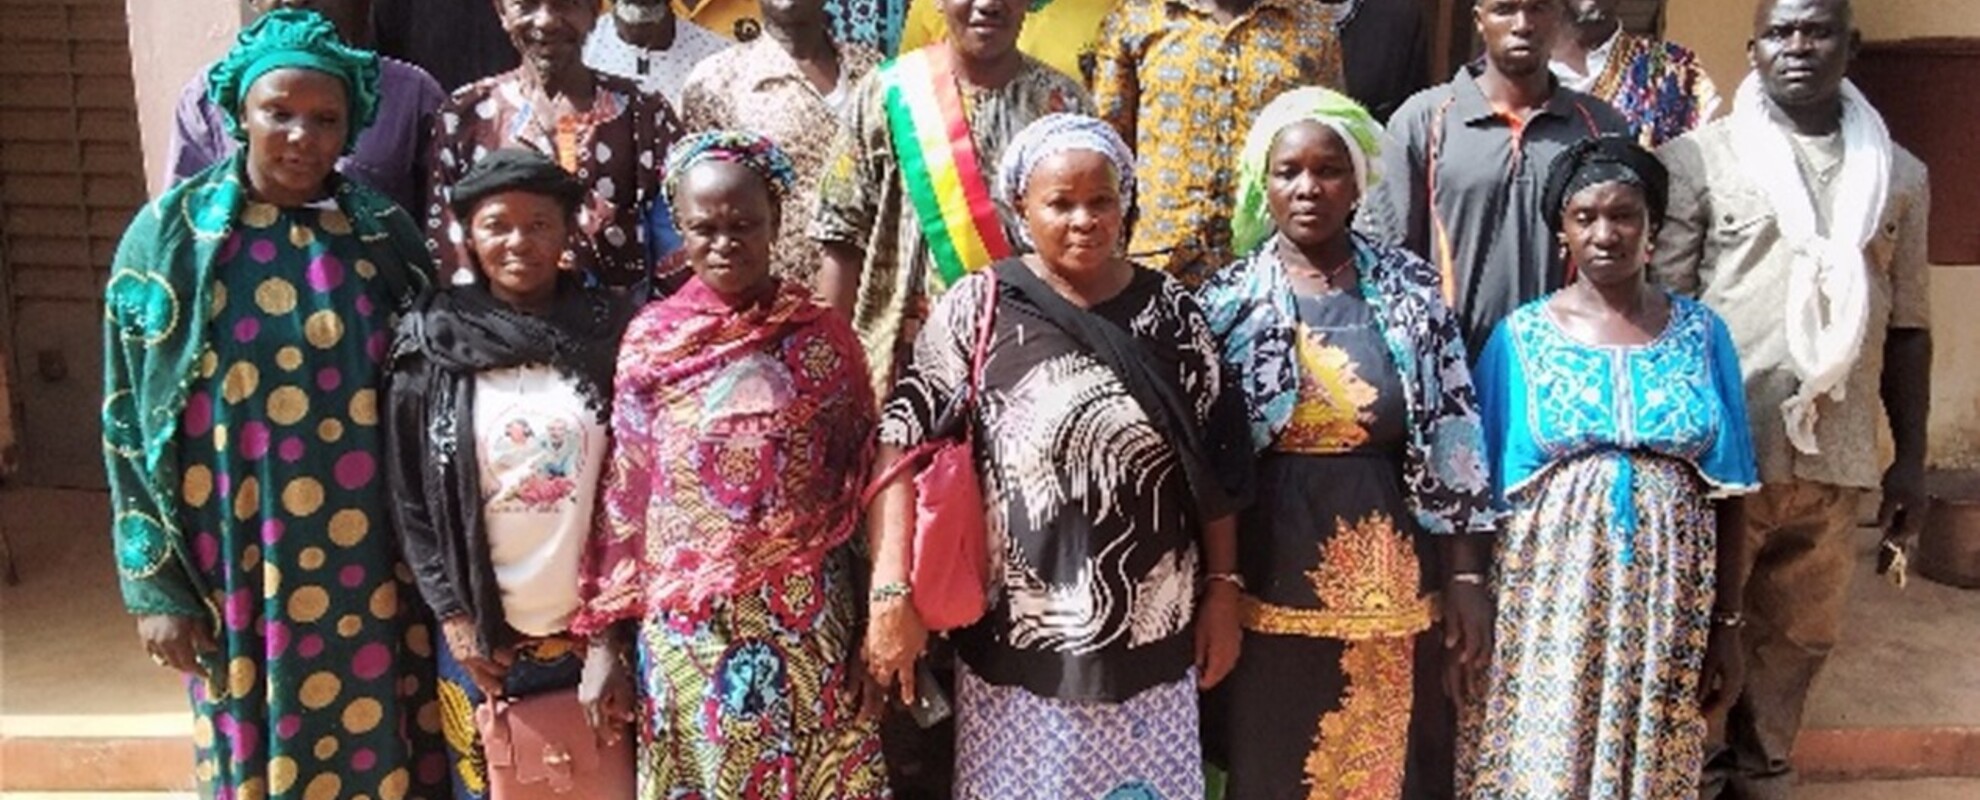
(873, 23)
(1606, 458)
(1548, 398)
(1592, 688)
(1660, 87)
(1252, 312)
(1015, 745)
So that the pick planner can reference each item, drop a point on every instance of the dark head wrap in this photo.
(466, 329)
(515, 169)
(289, 38)
(1606, 159)
(751, 150)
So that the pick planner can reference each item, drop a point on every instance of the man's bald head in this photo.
(1765, 9)
(1801, 50)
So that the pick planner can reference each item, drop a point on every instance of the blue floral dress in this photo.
(1607, 458)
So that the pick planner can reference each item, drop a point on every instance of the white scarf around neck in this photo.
(1828, 291)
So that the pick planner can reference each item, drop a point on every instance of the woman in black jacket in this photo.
(496, 436)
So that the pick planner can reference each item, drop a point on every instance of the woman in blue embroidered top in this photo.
(1361, 407)
(1616, 426)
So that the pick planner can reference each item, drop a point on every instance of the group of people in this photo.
(1484, 453)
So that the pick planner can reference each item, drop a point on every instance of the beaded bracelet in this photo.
(1235, 580)
(892, 590)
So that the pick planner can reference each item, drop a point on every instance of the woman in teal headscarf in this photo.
(1370, 453)
(248, 312)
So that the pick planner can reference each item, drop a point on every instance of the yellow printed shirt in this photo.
(1183, 88)
(737, 20)
(1061, 33)
(872, 24)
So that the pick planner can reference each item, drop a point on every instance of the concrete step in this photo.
(96, 754)
(101, 756)
(1929, 789)
(1873, 753)
(97, 795)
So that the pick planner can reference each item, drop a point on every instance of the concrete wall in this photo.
(1718, 30)
(170, 41)
(1884, 20)
(1955, 432)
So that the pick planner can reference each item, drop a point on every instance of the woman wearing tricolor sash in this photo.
(904, 210)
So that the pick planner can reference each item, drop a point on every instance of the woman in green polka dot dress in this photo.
(248, 314)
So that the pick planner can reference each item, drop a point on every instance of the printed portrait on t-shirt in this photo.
(532, 461)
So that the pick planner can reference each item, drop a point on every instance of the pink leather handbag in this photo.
(949, 563)
(540, 748)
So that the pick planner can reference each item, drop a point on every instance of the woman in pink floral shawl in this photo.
(742, 427)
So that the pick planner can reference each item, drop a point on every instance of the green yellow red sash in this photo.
(939, 166)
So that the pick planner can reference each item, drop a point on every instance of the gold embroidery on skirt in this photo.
(1368, 583)
(1360, 750)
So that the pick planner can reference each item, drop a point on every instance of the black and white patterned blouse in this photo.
(1091, 534)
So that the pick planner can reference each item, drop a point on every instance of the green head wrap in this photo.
(1251, 223)
(289, 38)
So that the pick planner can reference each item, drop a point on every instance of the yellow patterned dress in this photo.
(1320, 704)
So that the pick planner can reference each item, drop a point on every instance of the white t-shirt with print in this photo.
(542, 451)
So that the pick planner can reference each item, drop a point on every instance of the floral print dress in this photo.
(1362, 408)
(1607, 458)
(742, 436)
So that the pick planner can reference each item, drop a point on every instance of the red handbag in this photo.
(949, 558)
(541, 748)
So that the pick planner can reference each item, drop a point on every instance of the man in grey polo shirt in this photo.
(1465, 163)
(1803, 224)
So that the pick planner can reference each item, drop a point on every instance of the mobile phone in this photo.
(931, 703)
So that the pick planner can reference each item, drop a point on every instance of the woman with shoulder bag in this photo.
(1097, 411)
(496, 425)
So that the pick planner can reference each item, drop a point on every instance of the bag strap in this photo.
(986, 315)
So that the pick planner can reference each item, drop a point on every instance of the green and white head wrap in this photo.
(1251, 220)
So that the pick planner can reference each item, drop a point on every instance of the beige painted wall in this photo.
(169, 42)
(1718, 30)
(1955, 428)
(1884, 20)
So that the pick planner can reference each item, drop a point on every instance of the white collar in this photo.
(1598, 61)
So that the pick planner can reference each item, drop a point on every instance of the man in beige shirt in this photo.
(1803, 225)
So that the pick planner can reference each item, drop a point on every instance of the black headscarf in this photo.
(1606, 159)
(465, 329)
